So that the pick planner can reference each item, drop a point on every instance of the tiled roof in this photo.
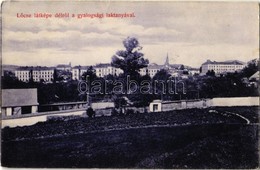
(103, 65)
(63, 65)
(155, 66)
(194, 69)
(19, 97)
(81, 67)
(35, 68)
(175, 65)
(235, 62)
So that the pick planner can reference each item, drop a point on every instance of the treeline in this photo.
(230, 85)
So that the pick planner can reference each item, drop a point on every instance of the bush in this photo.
(114, 112)
(91, 112)
(130, 111)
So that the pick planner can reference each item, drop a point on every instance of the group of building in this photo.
(222, 67)
(46, 74)
(36, 74)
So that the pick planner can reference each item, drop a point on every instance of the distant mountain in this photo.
(235, 61)
(179, 65)
(10, 67)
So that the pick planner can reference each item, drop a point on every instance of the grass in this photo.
(202, 140)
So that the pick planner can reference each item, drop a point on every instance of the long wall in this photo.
(204, 103)
(235, 101)
(185, 104)
(30, 119)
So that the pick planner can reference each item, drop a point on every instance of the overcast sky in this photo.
(189, 32)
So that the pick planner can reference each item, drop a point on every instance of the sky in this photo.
(190, 32)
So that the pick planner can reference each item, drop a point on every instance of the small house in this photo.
(19, 101)
(156, 106)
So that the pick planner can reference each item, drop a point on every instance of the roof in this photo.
(19, 97)
(28, 68)
(255, 76)
(63, 65)
(103, 65)
(81, 67)
(194, 69)
(233, 62)
(176, 65)
(155, 66)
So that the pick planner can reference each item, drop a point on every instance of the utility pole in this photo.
(88, 99)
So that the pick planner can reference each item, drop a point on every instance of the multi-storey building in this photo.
(43, 74)
(64, 67)
(36, 74)
(103, 70)
(150, 70)
(221, 67)
(78, 71)
(23, 73)
(172, 69)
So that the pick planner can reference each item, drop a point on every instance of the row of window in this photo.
(43, 72)
(225, 66)
(35, 79)
(26, 75)
(150, 70)
(22, 72)
(35, 76)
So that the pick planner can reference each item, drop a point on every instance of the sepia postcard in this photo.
(131, 84)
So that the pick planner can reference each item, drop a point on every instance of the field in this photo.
(193, 138)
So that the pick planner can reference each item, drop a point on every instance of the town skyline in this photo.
(190, 33)
(101, 63)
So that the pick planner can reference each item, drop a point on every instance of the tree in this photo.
(90, 112)
(160, 84)
(210, 73)
(31, 76)
(130, 60)
(91, 73)
(120, 102)
(58, 75)
(162, 75)
(182, 67)
(249, 70)
(55, 76)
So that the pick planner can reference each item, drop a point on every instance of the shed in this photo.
(19, 101)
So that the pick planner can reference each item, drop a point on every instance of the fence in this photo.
(158, 105)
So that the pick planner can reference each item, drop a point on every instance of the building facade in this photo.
(150, 70)
(221, 67)
(46, 74)
(103, 70)
(64, 67)
(35, 74)
(43, 74)
(23, 74)
(78, 71)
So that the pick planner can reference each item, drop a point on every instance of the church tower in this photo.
(166, 64)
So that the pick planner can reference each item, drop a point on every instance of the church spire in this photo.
(167, 61)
